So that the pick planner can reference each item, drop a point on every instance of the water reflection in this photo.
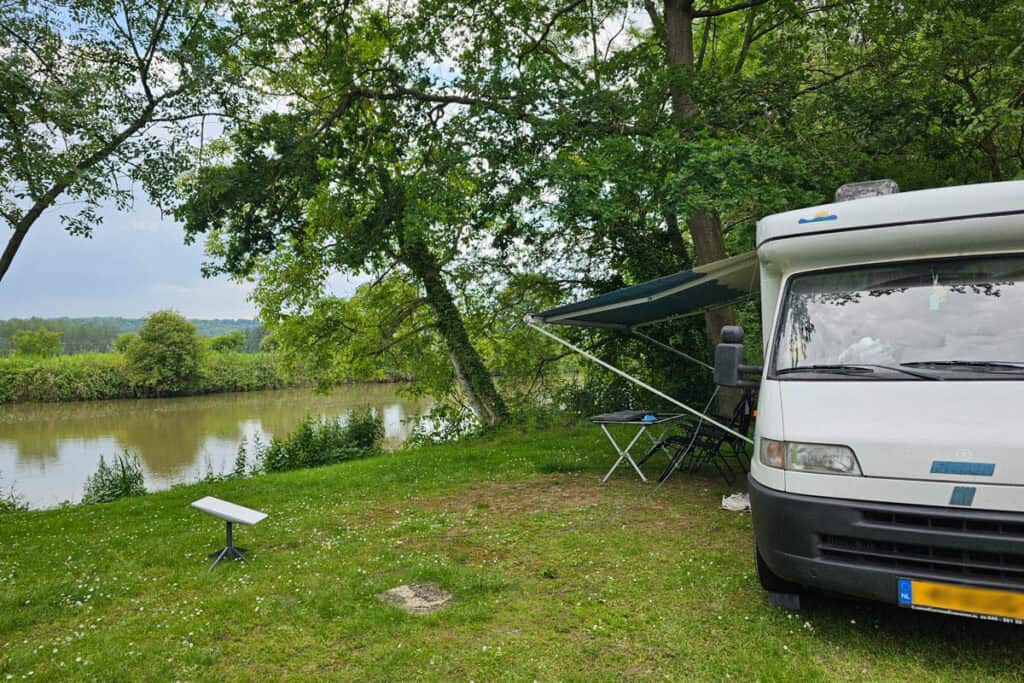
(47, 450)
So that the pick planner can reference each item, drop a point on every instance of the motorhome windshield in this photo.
(942, 319)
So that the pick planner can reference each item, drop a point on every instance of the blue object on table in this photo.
(650, 418)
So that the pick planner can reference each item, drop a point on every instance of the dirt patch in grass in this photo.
(491, 523)
(502, 500)
(417, 598)
(627, 500)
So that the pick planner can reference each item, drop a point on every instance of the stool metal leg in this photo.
(229, 551)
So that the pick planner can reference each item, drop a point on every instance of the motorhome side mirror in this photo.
(729, 356)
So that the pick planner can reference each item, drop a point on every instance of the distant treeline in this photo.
(86, 335)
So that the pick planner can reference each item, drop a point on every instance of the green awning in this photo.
(709, 285)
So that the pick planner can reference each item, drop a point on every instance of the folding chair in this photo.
(706, 443)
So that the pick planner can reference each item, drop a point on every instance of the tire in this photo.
(781, 593)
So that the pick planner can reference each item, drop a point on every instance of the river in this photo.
(48, 449)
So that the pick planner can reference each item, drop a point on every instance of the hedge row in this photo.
(93, 376)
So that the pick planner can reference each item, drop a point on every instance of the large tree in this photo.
(440, 147)
(96, 96)
(356, 177)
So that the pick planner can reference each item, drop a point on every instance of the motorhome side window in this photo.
(950, 319)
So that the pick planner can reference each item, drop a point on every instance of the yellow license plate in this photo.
(986, 603)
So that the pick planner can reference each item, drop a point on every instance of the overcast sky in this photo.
(135, 263)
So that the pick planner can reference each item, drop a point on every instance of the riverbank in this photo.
(102, 376)
(554, 577)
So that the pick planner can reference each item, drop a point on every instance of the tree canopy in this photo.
(467, 162)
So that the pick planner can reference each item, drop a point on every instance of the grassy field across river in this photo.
(554, 576)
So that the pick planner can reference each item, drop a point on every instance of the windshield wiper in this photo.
(833, 369)
(860, 369)
(968, 365)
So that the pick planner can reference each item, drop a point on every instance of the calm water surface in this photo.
(48, 449)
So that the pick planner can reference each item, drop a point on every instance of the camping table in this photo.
(636, 418)
(232, 514)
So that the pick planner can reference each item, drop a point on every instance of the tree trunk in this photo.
(679, 48)
(22, 226)
(473, 377)
(705, 227)
(709, 246)
(675, 240)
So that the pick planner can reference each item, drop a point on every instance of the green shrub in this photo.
(92, 376)
(11, 501)
(122, 478)
(445, 423)
(241, 466)
(166, 357)
(81, 377)
(601, 393)
(39, 342)
(364, 430)
(232, 341)
(234, 371)
(324, 442)
(125, 340)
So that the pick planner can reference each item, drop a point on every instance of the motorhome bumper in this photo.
(863, 549)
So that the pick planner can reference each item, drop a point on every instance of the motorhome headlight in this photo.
(809, 457)
(817, 457)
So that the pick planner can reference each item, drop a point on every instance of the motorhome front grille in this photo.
(971, 525)
(938, 561)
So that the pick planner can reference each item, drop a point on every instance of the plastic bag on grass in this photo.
(737, 502)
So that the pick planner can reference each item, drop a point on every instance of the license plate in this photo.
(982, 603)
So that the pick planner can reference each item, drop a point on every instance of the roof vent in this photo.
(868, 188)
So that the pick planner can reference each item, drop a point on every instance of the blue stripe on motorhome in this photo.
(962, 496)
(977, 469)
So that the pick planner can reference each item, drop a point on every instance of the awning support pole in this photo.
(639, 383)
(673, 350)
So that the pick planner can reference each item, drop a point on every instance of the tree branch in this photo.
(47, 66)
(419, 96)
(154, 40)
(719, 11)
(657, 22)
(549, 25)
(398, 340)
(42, 203)
(748, 40)
(834, 78)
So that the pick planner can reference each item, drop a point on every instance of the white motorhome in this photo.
(889, 453)
(888, 460)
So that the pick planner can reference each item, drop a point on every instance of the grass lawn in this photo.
(555, 577)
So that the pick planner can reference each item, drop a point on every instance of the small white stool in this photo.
(231, 514)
